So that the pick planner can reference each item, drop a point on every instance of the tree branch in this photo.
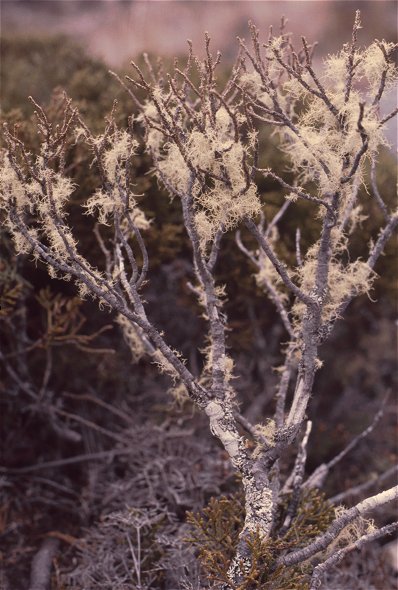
(41, 565)
(338, 525)
(340, 554)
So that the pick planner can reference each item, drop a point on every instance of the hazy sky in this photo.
(119, 29)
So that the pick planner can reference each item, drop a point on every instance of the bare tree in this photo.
(203, 142)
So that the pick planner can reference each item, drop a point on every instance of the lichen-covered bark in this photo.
(259, 501)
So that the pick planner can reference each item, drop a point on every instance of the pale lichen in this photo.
(344, 279)
(133, 337)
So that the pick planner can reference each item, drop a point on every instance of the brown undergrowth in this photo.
(215, 535)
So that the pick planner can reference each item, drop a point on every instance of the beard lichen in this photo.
(344, 279)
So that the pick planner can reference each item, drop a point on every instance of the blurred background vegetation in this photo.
(68, 385)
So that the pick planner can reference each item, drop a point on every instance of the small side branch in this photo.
(215, 250)
(299, 192)
(321, 569)
(248, 426)
(351, 57)
(278, 265)
(99, 456)
(376, 192)
(383, 238)
(295, 480)
(41, 565)
(388, 117)
(319, 475)
(212, 301)
(284, 386)
(337, 526)
(363, 148)
(366, 485)
(273, 294)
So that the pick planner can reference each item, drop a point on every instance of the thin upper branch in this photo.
(278, 265)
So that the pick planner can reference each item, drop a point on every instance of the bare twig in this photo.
(363, 487)
(41, 565)
(376, 192)
(279, 266)
(317, 478)
(294, 482)
(100, 455)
